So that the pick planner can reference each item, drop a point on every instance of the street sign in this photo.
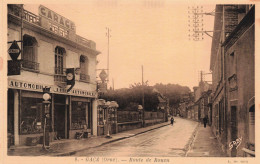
(14, 50)
(14, 67)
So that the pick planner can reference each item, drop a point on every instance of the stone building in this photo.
(50, 46)
(201, 99)
(233, 75)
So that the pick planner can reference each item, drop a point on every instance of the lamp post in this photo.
(46, 103)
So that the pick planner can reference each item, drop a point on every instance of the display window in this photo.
(31, 116)
(112, 115)
(78, 115)
(100, 116)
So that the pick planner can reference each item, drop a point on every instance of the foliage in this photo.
(173, 92)
(130, 98)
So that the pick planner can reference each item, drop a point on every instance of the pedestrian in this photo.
(172, 120)
(205, 120)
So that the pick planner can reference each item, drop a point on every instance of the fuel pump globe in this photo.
(46, 96)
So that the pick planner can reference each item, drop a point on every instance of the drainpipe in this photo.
(224, 81)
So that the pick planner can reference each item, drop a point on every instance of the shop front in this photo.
(80, 122)
(70, 114)
(107, 117)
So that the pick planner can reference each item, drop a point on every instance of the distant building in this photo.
(50, 46)
(201, 99)
(232, 65)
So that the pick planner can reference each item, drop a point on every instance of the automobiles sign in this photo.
(14, 51)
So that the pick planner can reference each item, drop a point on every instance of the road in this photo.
(168, 141)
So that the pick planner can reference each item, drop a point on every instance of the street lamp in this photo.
(46, 103)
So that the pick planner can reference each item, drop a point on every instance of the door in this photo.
(60, 116)
(59, 120)
(233, 129)
(10, 118)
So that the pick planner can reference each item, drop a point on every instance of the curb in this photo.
(191, 140)
(105, 143)
(118, 139)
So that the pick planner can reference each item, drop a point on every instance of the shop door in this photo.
(59, 115)
(59, 120)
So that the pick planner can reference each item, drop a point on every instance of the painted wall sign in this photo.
(54, 17)
(54, 89)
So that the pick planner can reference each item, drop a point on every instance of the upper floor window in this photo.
(232, 64)
(84, 68)
(59, 60)
(29, 55)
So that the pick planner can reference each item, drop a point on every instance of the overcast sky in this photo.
(153, 35)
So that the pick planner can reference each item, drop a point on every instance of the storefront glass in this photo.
(31, 116)
(100, 116)
(78, 115)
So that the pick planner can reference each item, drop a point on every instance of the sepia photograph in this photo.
(118, 81)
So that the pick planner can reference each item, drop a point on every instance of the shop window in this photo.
(100, 116)
(78, 115)
(84, 68)
(30, 53)
(31, 116)
(112, 116)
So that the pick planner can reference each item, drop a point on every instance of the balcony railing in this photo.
(28, 16)
(14, 10)
(60, 75)
(33, 66)
(32, 18)
(84, 77)
(60, 78)
(83, 41)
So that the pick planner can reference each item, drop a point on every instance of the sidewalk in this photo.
(71, 146)
(205, 144)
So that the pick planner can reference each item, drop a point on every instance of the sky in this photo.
(149, 33)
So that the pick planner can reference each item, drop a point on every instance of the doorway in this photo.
(60, 116)
(233, 129)
(59, 120)
(10, 118)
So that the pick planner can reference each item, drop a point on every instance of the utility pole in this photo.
(113, 84)
(143, 93)
(108, 36)
(201, 78)
(143, 87)
(196, 25)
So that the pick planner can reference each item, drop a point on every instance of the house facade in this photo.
(232, 65)
(50, 46)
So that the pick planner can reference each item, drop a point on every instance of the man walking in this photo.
(205, 120)
(172, 120)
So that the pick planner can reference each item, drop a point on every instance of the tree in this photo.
(130, 98)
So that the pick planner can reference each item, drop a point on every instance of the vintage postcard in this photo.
(120, 81)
